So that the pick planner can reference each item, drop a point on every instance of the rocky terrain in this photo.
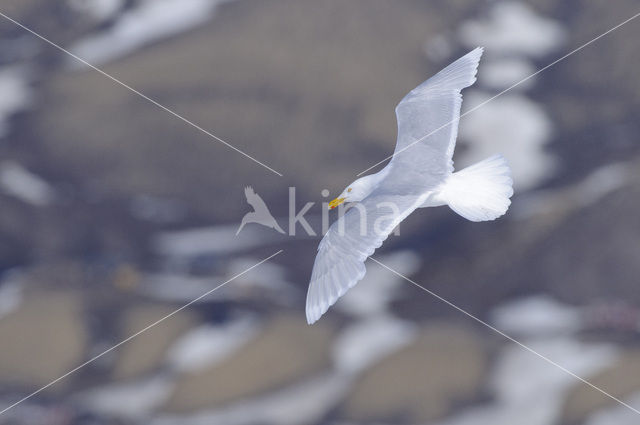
(114, 213)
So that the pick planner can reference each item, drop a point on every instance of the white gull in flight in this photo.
(420, 174)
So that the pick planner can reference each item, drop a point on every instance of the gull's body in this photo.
(420, 174)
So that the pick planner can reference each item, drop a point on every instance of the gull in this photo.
(260, 213)
(420, 174)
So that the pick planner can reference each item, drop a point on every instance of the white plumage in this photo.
(420, 174)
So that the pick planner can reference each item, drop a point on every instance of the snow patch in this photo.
(529, 390)
(511, 125)
(617, 414)
(99, 10)
(176, 287)
(11, 290)
(272, 277)
(209, 344)
(513, 28)
(521, 376)
(529, 387)
(149, 21)
(16, 94)
(131, 400)
(306, 402)
(17, 181)
(500, 74)
(536, 315)
(215, 240)
(379, 287)
(364, 343)
(268, 284)
(599, 183)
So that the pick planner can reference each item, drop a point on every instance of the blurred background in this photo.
(114, 213)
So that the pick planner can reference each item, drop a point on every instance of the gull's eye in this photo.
(349, 190)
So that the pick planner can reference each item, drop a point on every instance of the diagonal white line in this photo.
(196, 126)
(124, 341)
(577, 49)
(498, 331)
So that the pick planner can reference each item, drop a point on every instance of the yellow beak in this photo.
(336, 202)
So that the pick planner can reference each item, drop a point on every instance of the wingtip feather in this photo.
(459, 74)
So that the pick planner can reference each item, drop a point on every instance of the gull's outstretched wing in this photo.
(339, 264)
(431, 112)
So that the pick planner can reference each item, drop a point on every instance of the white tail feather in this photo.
(480, 192)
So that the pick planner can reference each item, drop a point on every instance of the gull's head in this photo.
(355, 192)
